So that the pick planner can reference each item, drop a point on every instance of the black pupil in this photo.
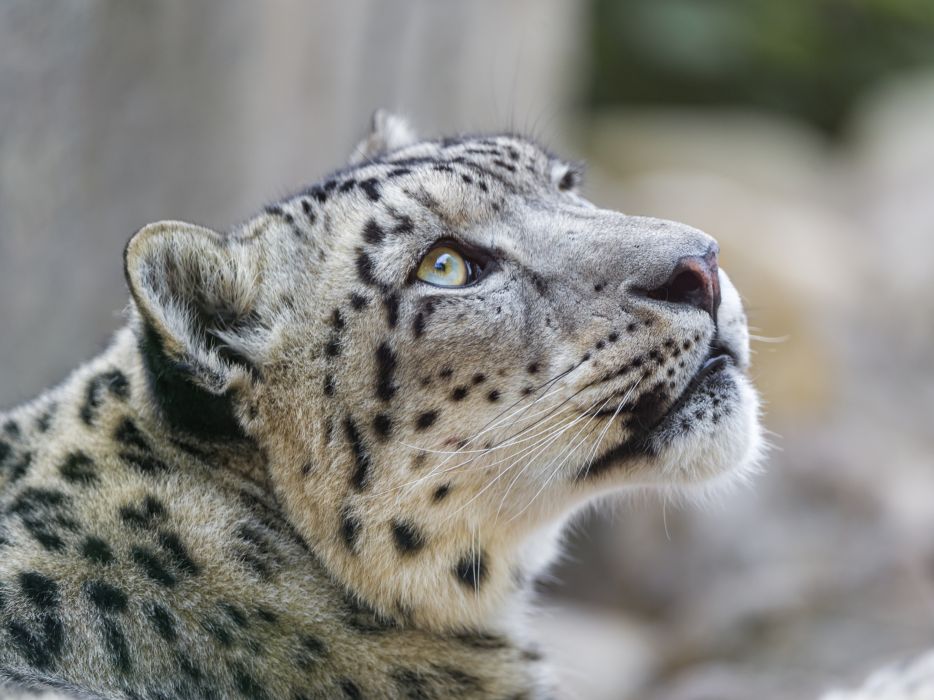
(441, 264)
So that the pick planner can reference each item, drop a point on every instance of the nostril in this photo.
(685, 285)
(693, 282)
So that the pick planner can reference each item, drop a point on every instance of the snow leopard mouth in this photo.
(650, 415)
(648, 411)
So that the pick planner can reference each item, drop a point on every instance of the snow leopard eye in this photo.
(445, 266)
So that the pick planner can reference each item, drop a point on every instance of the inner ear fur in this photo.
(196, 291)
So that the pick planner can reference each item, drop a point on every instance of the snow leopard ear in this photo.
(388, 132)
(197, 293)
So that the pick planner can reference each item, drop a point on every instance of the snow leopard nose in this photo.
(693, 282)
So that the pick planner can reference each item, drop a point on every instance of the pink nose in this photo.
(694, 282)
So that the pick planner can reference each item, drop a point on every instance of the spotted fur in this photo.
(300, 472)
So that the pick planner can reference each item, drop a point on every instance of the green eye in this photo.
(445, 267)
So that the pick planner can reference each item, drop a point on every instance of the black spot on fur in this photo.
(78, 468)
(178, 553)
(5, 451)
(382, 426)
(426, 420)
(459, 393)
(358, 301)
(471, 570)
(347, 185)
(247, 685)
(39, 590)
(478, 378)
(40, 641)
(152, 566)
(105, 597)
(145, 463)
(391, 302)
(441, 493)
(96, 550)
(407, 537)
(19, 468)
(365, 269)
(329, 385)
(350, 689)
(115, 641)
(373, 233)
(236, 615)
(493, 396)
(310, 650)
(359, 477)
(11, 428)
(113, 382)
(128, 434)
(371, 188)
(446, 373)
(145, 515)
(45, 514)
(385, 368)
(350, 529)
(418, 324)
(162, 622)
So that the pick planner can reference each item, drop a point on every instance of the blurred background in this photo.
(800, 133)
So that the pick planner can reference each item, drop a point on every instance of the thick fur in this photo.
(300, 472)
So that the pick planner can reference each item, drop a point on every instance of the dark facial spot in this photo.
(385, 367)
(382, 426)
(96, 550)
(360, 475)
(418, 461)
(585, 357)
(493, 396)
(686, 345)
(329, 385)
(426, 420)
(407, 537)
(446, 373)
(670, 372)
(479, 378)
(365, 269)
(532, 368)
(358, 301)
(349, 529)
(105, 597)
(459, 393)
(418, 324)
(391, 302)
(441, 493)
(613, 337)
(598, 287)
(78, 468)
(631, 327)
(371, 188)
(471, 570)
(373, 233)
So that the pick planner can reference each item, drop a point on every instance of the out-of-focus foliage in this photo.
(807, 58)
